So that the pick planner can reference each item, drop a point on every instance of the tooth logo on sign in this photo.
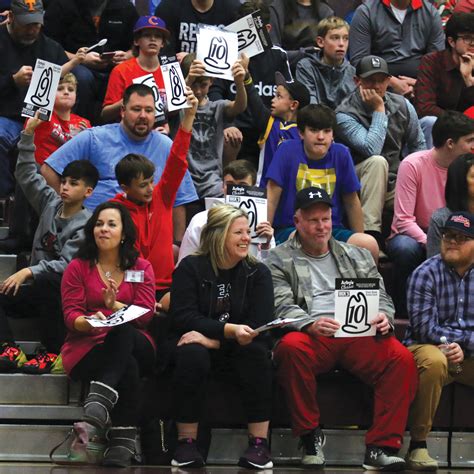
(217, 56)
(251, 209)
(40, 96)
(246, 38)
(357, 314)
(177, 98)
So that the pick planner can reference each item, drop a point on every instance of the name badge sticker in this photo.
(135, 276)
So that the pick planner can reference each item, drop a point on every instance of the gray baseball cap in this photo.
(27, 11)
(371, 65)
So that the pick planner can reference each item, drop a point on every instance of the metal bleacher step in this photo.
(47, 389)
(36, 413)
(24, 442)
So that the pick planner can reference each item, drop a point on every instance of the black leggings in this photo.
(39, 298)
(251, 365)
(120, 362)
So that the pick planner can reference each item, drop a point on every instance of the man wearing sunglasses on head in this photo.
(440, 334)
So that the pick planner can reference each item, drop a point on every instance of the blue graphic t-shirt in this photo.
(292, 170)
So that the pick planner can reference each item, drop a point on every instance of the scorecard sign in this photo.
(253, 201)
(357, 304)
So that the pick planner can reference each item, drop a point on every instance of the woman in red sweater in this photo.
(107, 276)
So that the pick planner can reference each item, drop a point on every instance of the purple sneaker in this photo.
(187, 454)
(257, 455)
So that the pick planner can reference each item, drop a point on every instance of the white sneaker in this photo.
(420, 460)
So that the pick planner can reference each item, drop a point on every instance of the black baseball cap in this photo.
(296, 89)
(371, 65)
(312, 195)
(462, 222)
(27, 12)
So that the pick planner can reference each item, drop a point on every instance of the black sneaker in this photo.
(257, 455)
(312, 444)
(379, 459)
(187, 454)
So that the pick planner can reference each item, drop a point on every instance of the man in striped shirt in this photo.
(441, 330)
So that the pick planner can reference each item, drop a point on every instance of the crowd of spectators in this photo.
(358, 116)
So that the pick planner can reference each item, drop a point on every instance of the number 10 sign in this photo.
(357, 304)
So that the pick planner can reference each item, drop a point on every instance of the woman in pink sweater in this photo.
(108, 276)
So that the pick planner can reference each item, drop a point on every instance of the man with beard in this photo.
(21, 43)
(104, 146)
(440, 334)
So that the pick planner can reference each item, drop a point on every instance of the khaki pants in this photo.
(373, 177)
(433, 376)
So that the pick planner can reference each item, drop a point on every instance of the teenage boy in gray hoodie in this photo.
(327, 73)
(35, 290)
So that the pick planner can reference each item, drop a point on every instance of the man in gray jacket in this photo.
(304, 270)
(401, 32)
(379, 127)
(56, 241)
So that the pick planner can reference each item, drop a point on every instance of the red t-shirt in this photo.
(123, 75)
(49, 136)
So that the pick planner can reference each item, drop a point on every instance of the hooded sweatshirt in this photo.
(154, 220)
(327, 84)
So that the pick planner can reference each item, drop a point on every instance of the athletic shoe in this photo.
(187, 454)
(379, 459)
(312, 444)
(419, 460)
(257, 455)
(57, 367)
(11, 357)
(41, 363)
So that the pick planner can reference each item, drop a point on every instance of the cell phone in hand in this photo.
(107, 56)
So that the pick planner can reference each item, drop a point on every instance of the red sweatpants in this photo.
(381, 362)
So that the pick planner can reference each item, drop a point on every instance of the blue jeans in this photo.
(9, 136)
(426, 124)
(406, 254)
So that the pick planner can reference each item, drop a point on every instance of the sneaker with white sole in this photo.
(419, 460)
(379, 459)
(257, 455)
(187, 454)
(312, 444)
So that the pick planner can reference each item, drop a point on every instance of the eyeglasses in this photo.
(455, 237)
(467, 39)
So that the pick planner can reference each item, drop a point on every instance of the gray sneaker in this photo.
(378, 459)
(312, 444)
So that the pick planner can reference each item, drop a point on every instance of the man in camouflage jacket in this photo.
(304, 270)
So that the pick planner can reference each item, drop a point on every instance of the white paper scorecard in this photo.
(252, 35)
(357, 304)
(149, 80)
(122, 316)
(218, 50)
(253, 201)
(42, 91)
(175, 84)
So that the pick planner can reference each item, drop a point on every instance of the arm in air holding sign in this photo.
(239, 104)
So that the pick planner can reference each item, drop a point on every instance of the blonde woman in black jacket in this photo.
(218, 297)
